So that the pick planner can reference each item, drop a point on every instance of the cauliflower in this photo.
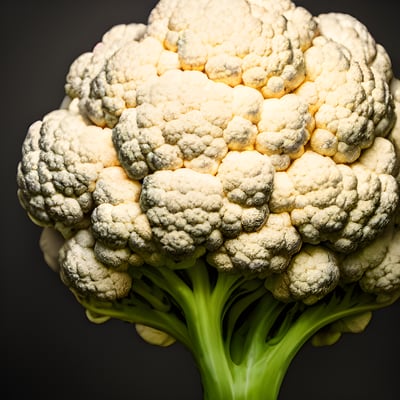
(226, 176)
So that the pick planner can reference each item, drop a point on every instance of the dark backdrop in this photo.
(48, 349)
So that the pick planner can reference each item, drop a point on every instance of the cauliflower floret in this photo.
(80, 270)
(378, 197)
(106, 80)
(351, 33)
(317, 194)
(114, 88)
(384, 278)
(187, 209)
(381, 270)
(266, 250)
(346, 99)
(61, 161)
(185, 119)
(247, 179)
(312, 273)
(114, 187)
(345, 206)
(284, 127)
(183, 209)
(87, 66)
(259, 43)
(354, 265)
(179, 121)
(113, 224)
(120, 227)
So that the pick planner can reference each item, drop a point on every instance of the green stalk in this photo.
(268, 358)
(242, 339)
(204, 321)
(268, 339)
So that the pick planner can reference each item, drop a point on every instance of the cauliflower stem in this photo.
(241, 337)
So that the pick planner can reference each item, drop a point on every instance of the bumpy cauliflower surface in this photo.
(248, 132)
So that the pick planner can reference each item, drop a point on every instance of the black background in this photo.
(49, 350)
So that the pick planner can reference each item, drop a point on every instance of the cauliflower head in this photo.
(246, 132)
